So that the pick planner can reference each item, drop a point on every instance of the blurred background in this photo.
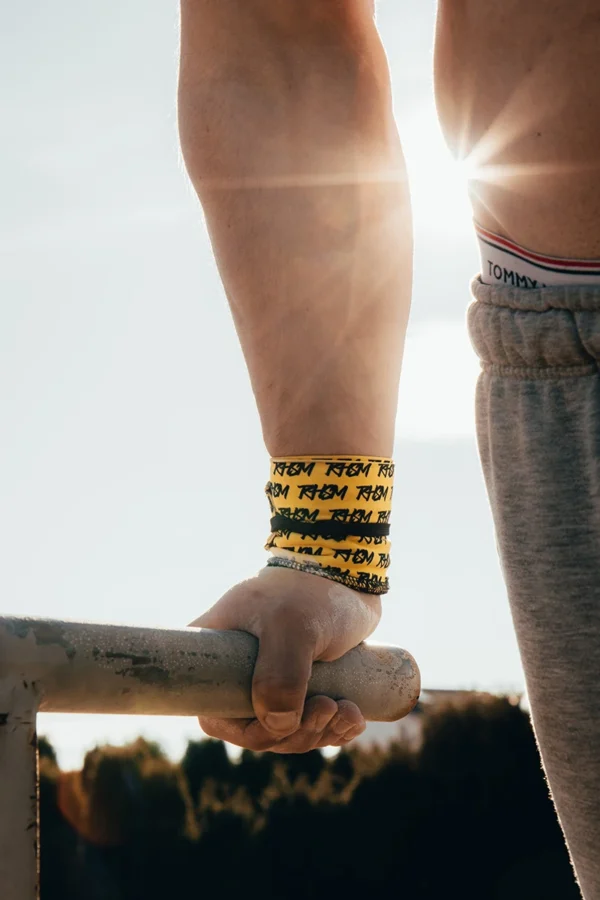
(464, 812)
(122, 381)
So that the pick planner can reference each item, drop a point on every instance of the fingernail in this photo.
(282, 722)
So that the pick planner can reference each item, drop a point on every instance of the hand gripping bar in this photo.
(79, 667)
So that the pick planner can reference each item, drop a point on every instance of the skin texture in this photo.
(288, 137)
(287, 132)
(518, 91)
(298, 618)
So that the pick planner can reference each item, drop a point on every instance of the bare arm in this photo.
(288, 136)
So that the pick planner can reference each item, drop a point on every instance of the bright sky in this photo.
(122, 382)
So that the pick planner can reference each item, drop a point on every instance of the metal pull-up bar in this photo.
(76, 667)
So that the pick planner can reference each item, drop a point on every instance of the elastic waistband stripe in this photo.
(545, 262)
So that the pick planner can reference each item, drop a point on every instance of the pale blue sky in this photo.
(122, 382)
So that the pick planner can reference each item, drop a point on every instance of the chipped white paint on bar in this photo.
(80, 667)
(91, 668)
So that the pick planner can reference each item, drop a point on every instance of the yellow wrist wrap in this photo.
(331, 517)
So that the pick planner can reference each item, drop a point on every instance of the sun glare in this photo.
(438, 183)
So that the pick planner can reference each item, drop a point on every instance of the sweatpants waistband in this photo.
(536, 333)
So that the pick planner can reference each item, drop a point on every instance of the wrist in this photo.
(330, 516)
(331, 430)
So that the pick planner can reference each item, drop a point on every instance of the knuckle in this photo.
(350, 713)
(288, 612)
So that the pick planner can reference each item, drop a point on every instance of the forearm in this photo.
(288, 135)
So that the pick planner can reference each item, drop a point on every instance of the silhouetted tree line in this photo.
(466, 815)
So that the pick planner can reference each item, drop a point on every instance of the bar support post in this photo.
(19, 804)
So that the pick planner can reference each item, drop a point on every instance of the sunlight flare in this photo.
(439, 184)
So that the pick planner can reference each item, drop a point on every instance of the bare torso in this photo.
(518, 88)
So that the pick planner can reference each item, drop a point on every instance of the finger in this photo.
(281, 674)
(247, 733)
(347, 724)
(217, 617)
(349, 737)
(318, 713)
(231, 610)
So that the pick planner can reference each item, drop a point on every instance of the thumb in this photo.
(280, 680)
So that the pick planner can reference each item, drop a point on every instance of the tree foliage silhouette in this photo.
(465, 814)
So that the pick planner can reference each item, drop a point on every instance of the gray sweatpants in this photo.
(538, 425)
